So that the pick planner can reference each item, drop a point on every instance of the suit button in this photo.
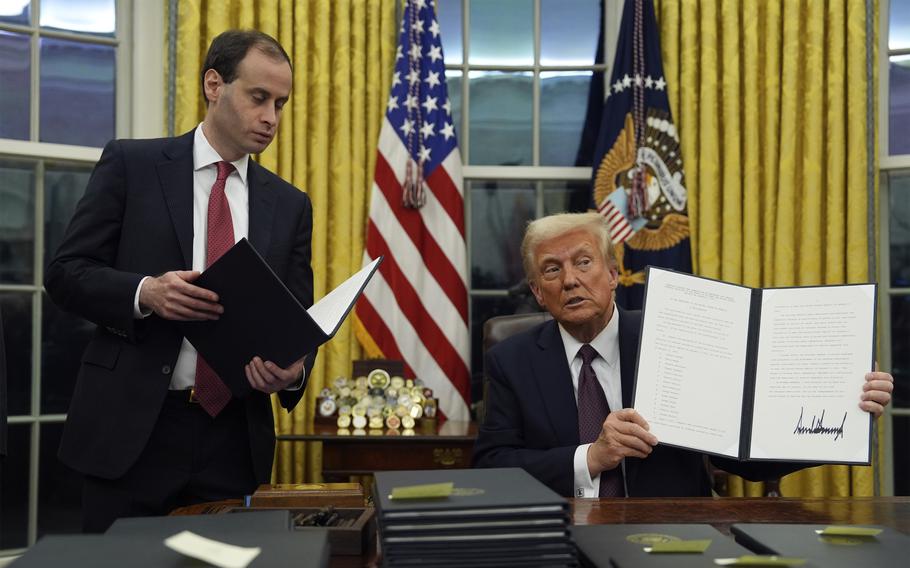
(166, 370)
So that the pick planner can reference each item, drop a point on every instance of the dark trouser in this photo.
(190, 458)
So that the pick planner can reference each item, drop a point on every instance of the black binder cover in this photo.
(261, 317)
(889, 548)
(621, 546)
(210, 526)
(308, 549)
(479, 493)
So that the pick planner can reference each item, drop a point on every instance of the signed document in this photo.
(758, 374)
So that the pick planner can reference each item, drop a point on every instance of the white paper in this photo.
(211, 551)
(691, 365)
(815, 347)
(334, 306)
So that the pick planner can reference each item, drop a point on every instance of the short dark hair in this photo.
(230, 47)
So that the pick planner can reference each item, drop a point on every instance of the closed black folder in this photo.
(889, 548)
(209, 526)
(262, 317)
(622, 546)
(309, 549)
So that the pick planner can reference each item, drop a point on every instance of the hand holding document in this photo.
(756, 374)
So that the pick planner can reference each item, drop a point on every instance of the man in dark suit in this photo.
(150, 425)
(551, 388)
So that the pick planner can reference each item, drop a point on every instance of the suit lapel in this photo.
(554, 380)
(629, 329)
(175, 174)
(262, 207)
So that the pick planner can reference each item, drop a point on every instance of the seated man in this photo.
(551, 388)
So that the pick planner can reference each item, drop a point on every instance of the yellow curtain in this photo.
(342, 52)
(769, 98)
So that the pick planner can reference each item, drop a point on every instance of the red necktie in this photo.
(592, 411)
(211, 392)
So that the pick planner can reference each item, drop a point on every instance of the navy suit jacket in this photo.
(135, 220)
(531, 420)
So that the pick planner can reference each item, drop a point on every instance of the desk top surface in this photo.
(450, 430)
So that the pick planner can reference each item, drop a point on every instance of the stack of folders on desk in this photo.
(141, 543)
(822, 545)
(493, 517)
(624, 546)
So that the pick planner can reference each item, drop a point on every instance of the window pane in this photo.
(59, 488)
(899, 25)
(899, 105)
(482, 309)
(96, 17)
(900, 355)
(15, 73)
(901, 455)
(448, 13)
(899, 225)
(77, 92)
(566, 197)
(14, 11)
(63, 339)
(569, 31)
(563, 104)
(500, 117)
(14, 489)
(17, 222)
(63, 188)
(16, 308)
(502, 32)
(453, 86)
(499, 213)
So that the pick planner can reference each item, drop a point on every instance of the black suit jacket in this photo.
(531, 420)
(136, 219)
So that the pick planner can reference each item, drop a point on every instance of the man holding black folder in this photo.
(552, 388)
(151, 425)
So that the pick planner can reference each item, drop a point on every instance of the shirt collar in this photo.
(204, 155)
(606, 342)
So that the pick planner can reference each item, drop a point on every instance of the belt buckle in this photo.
(192, 399)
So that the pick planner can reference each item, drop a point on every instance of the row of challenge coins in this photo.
(377, 400)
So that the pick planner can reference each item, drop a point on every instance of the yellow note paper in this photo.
(212, 551)
(687, 546)
(847, 530)
(760, 560)
(425, 491)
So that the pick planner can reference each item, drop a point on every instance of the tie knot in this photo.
(224, 170)
(587, 353)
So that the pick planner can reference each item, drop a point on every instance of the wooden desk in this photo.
(445, 445)
(724, 511)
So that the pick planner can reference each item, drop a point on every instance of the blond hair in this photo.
(553, 226)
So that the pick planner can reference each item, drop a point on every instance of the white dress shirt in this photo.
(606, 366)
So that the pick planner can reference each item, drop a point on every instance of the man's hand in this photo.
(876, 392)
(172, 297)
(268, 377)
(624, 434)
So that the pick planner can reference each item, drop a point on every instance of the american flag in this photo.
(416, 307)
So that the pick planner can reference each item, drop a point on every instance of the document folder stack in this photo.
(493, 517)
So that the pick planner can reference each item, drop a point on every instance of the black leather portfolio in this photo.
(622, 546)
(262, 317)
(209, 526)
(889, 548)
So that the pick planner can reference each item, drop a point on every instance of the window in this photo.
(894, 257)
(526, 79)
(62, 67)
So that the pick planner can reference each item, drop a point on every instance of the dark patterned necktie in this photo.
(592, 411)
(211, 392)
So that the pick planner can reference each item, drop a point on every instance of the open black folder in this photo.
(756, 374)
(262, 317)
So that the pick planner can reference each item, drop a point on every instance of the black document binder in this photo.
(261, 317)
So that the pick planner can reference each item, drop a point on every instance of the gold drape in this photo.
(342, 52)
(769, 98)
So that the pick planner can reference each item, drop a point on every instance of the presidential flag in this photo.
(638, 182)
(416, 307)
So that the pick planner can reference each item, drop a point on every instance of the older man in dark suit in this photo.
(551, 388)
(151, 425)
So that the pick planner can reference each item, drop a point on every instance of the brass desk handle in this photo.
(447, 457)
